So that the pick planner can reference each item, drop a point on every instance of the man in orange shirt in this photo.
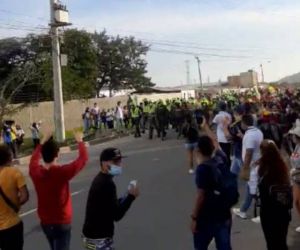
(13, 194)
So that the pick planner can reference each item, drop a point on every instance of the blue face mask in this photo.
(115, 170)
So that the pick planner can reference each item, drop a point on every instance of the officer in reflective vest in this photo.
(136, 118)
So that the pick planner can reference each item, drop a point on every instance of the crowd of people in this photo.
(253, 137)
(13, 135)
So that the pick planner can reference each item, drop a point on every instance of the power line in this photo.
(188, 45)
(21, 14)
(182, 52)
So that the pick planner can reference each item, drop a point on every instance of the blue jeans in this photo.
(248, 200)
(59, 236)
(218, 231)
(236, 165)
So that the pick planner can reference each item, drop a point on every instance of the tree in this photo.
(79, 74)
(120, 63)
(17, 71)
(81, 71)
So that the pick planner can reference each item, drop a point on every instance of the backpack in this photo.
(282, 195)
(225, 193)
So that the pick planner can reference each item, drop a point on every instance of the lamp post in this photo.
(199, 70)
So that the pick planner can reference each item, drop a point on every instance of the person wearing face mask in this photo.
(103, 207)
(295, 163)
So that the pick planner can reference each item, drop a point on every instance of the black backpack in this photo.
(225, 192)
(281, 195)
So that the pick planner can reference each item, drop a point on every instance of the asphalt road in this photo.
(159, 218)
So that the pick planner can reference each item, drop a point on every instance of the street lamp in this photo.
(262, 72)
(199, 70)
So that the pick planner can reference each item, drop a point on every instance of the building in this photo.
(244, 80)
(234, 81)
(249, 79)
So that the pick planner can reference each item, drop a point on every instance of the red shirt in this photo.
(52, 187)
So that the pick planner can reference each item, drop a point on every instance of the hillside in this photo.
(291, 79)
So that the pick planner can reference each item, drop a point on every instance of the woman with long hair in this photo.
(275, 196)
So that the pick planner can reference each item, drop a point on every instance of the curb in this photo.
(67, 149)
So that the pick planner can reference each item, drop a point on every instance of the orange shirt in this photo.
(11, 181)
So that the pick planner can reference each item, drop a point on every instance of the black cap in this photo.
(111, 154)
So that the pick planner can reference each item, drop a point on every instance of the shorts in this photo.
(191, 146)
(98, 244)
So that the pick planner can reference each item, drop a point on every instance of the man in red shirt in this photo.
(51, 182)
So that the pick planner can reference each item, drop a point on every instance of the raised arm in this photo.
(70, 170)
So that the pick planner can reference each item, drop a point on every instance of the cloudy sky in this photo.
(229, 36)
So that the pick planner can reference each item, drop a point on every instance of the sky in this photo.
(229, 36)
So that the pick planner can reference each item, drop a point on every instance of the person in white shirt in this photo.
(220, 120)
(20, 136)
(251, 154)
(119, 114)
(96, 115)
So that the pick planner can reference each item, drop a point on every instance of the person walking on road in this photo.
(217, 192)
(103, 208)
(191, 134)
(13, 194)
(275, 195)
(136, 118)
(251, 154)
(162, 117)
(219, 121)
(51, 183)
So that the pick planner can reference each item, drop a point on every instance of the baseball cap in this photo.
(111, 154)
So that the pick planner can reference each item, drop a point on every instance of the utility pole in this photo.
(199, 70)
(57, 80)
(262, 74)
(187, 62)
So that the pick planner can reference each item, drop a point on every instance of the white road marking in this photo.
(28, 212)
(35, 209)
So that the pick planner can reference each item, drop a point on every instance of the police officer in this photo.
(162, 115)
(136, 118)
(145, 114)
(152, 119)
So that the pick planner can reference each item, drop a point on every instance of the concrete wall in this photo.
(73, 110)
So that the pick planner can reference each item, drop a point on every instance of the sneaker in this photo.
(240, 214)
(256, 220)
(191, 171)
(298, 229)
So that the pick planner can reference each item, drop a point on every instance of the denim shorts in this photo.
(191, 146)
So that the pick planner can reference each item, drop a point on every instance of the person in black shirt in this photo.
(190, 131)
(209, 221)
(236, 133)
(103, 208)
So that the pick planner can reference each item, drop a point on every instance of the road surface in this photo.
(159, 219)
